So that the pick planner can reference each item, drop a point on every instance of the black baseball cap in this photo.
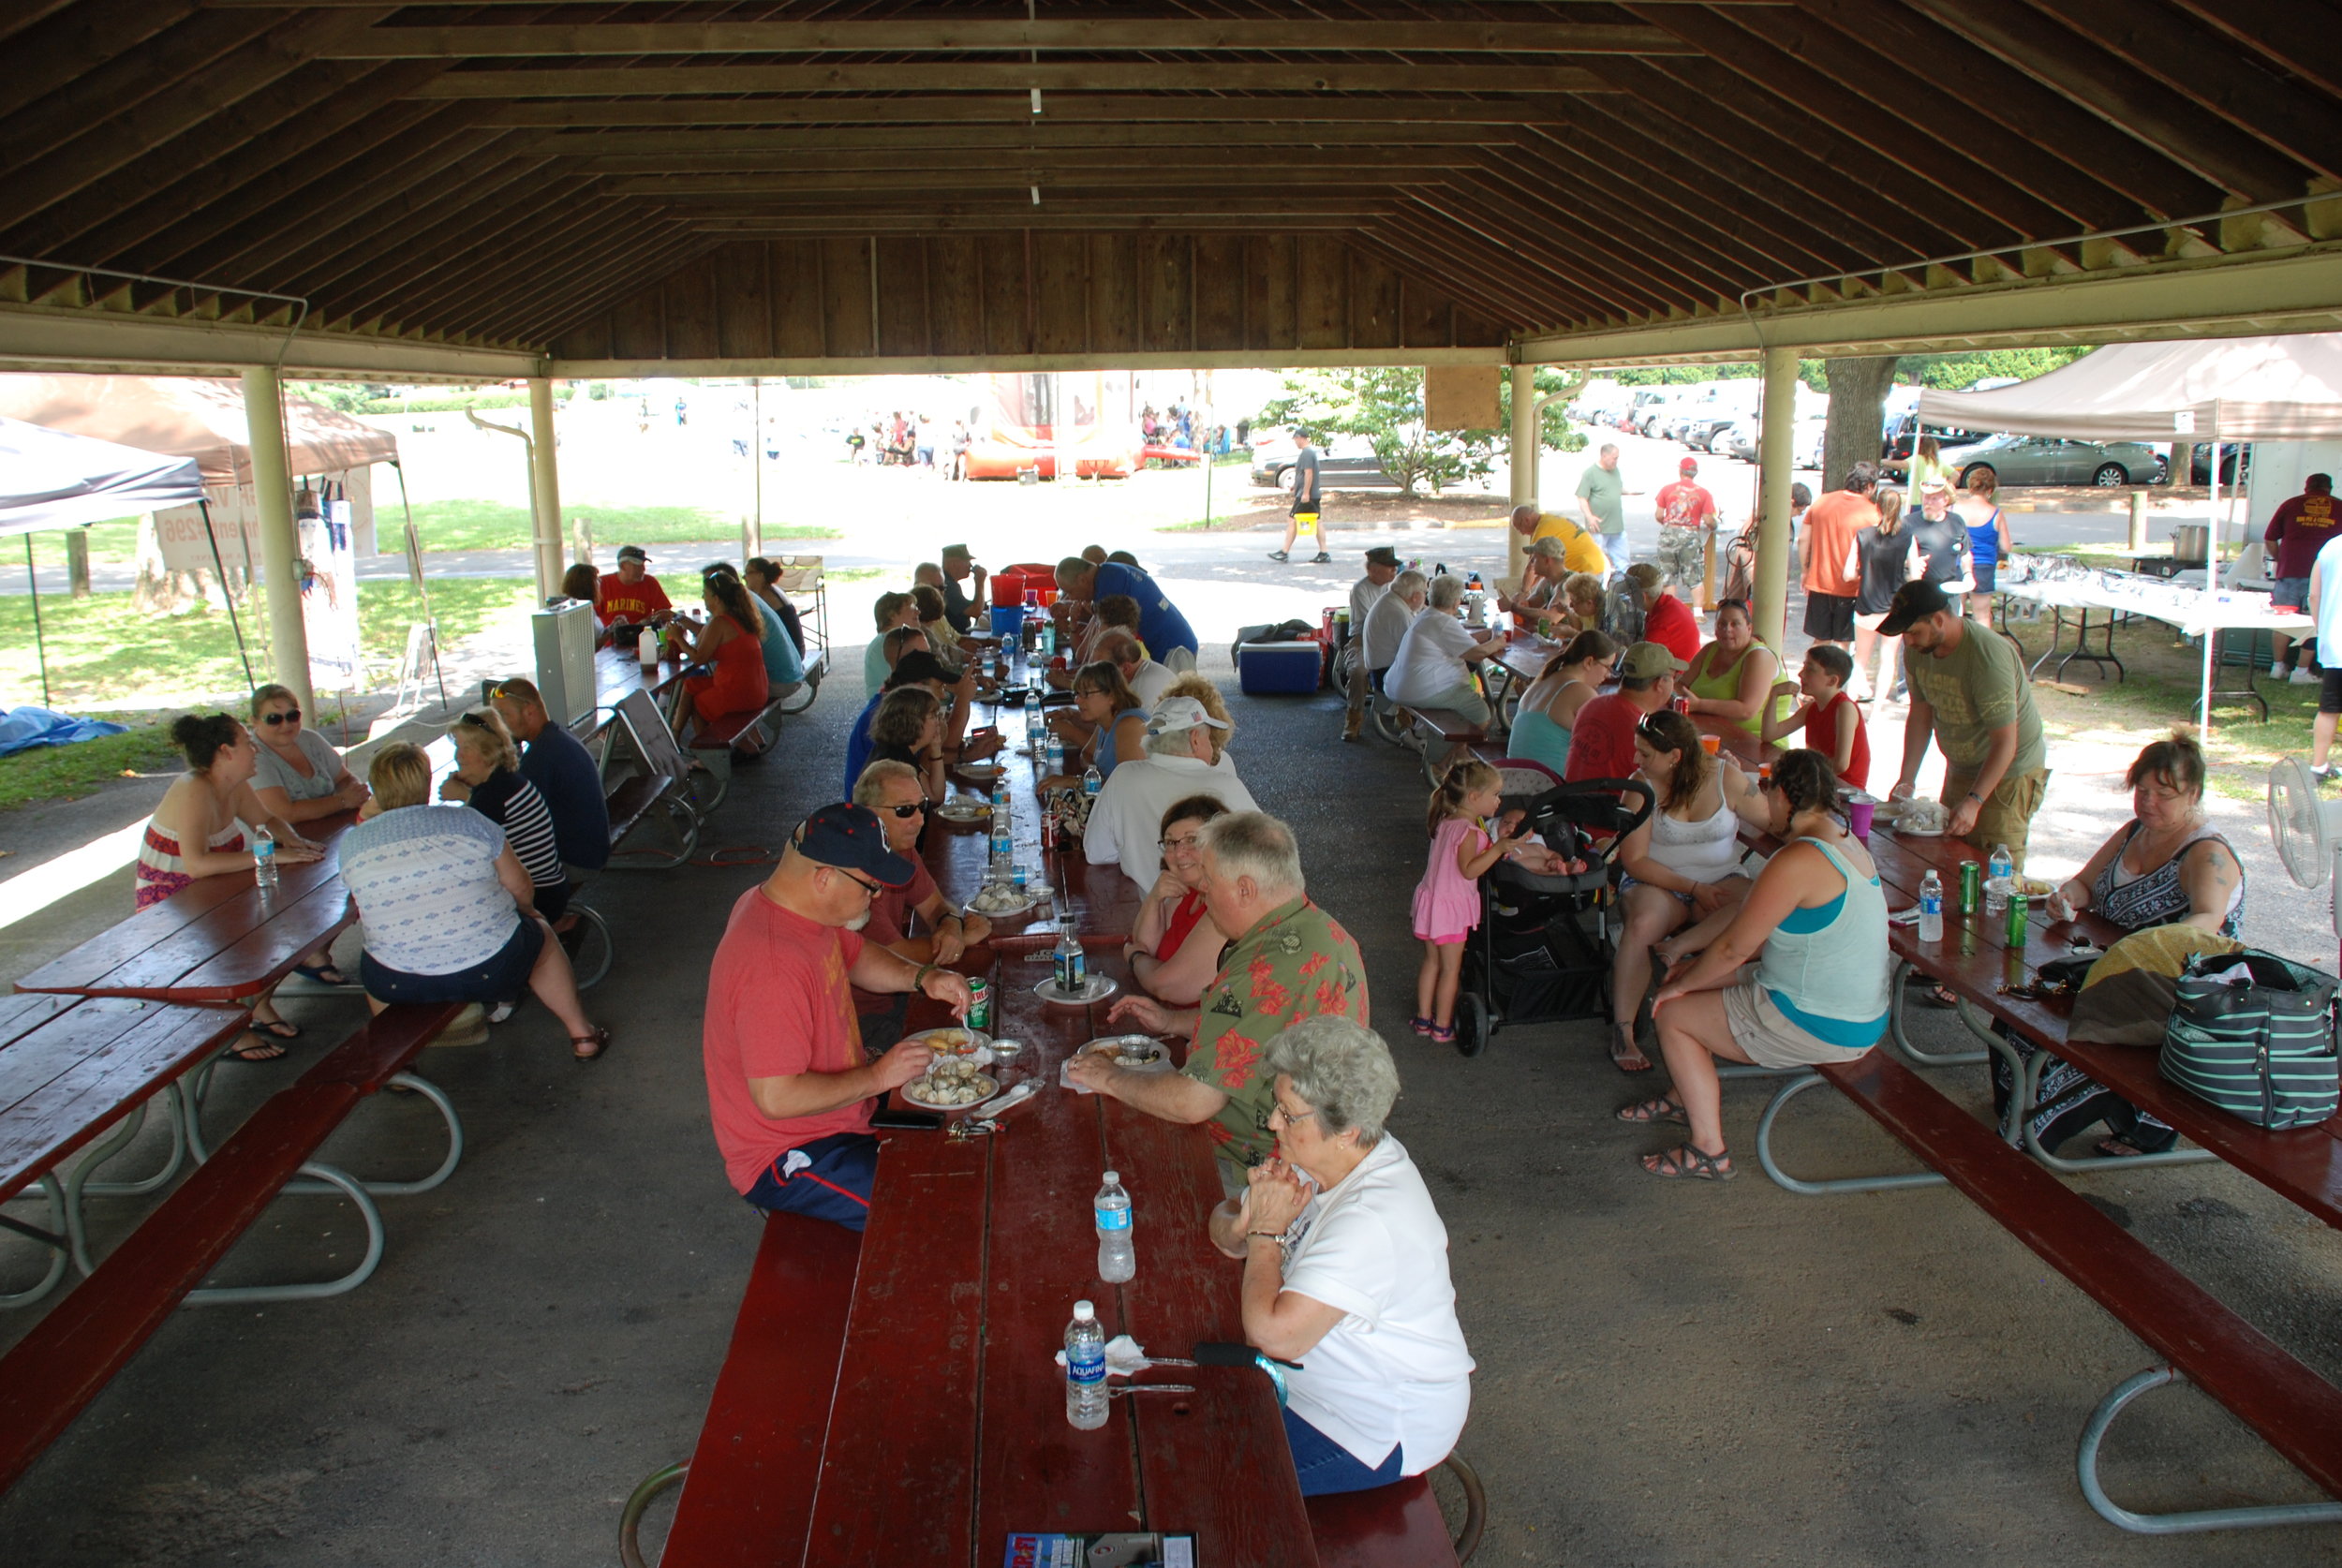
(1914, 601)
(1382, 554)
(920, 665)
(851, 838)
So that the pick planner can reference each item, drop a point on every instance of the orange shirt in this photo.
(1830, 523)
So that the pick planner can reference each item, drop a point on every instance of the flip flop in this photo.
(261, 1050)
(320, 972)
(275, 1029)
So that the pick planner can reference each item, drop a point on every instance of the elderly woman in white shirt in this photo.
(1433, 666)
(1346, 1269)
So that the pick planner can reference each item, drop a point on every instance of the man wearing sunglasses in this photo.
(789, 1088)
(891, 789)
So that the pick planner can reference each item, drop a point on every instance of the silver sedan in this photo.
(2052, 460)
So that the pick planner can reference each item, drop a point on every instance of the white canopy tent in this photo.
(2244, 388)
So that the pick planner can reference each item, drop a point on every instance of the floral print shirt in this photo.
(1296, 963)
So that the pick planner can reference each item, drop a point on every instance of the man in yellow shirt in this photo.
(1581, 550)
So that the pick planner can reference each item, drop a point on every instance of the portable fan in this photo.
(2308, 829)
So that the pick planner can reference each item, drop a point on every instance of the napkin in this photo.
(1125, 1358)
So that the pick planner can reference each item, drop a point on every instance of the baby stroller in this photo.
(1541, 954)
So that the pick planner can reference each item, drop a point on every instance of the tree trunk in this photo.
(77, 561)
(1857, 407)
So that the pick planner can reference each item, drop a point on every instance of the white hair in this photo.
(1254, 844)
(1447, 591)
(1409, 583)
(1342, 1070)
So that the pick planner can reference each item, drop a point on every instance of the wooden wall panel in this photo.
(1006, 302)
(1114, 327)
(902, 297)
(691, 332)
(744, 301)
(1166, 292)
(796, 267)
(847, 325)
(587, 340)
(1321, 275)
(1268, 308)
(955, 295)
(1474, 328)
(1219, 292)
(637, 327)
(1373, 303)
(1423, 317)
(1061, 293)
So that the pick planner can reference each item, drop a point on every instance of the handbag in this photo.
(2254, 1034)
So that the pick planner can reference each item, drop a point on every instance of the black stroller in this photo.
(1541, 954)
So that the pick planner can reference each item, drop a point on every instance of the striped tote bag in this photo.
(2254, 1034)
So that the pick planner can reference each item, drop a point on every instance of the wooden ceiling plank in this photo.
(1709, 241)
(440, 236)
(1001, 161)
(1064, 108)
(942, 35)
(305, 222)
(2083, 71)
(1013, 75)
(637, 144)
(545, 314)
(982, 179)
(1448, 210)
(977, 223)
(122, 83)
(1758, 167)
(1417, 272)
(207, 201)
(1504, 294)
(2201, 64)
(616, 238)
(1627, 253)
(1903, 116)
(430, 209)
(1992, 89)
(256, 67)
(506, 250)
(2274, 34)
(55, 51)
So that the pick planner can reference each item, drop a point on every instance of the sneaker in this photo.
(1279, 556)
(2303, 677)
(1319, 559)
(2326, 774)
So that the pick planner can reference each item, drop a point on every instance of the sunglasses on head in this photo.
(289, 715)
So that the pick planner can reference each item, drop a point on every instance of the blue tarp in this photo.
(26, 728)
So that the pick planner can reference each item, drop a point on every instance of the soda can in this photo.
(1971, 887)
(980, 1003)
(2016, 919)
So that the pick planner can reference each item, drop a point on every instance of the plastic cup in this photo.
(1710, 744)
(1858, 818)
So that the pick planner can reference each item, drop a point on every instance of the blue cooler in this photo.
(1008, 620)
(1274, 669)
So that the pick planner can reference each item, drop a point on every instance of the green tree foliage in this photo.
(1384, 404)
(1959, 372)
(1555, 386)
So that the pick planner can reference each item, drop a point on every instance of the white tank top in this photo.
(1705, 850)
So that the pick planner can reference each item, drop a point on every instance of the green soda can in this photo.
(2016, 919)
(1971, 887)
(980, 1004)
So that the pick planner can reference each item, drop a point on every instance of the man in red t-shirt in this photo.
(1687, 519)
(1823, 545)
(789, 1085)
(891, 789)
(630, 593)
(1666, 620)
(2298, 530)
(1602, 741)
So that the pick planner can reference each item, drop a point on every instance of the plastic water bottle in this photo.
(1072, 964)
(1930, 908)
(1032, 718)
(1057, 754)
(1003, 841)
(1998, 870)
(1116, 1261)
(1091, 782)
(1085, 1369)
(264, 858)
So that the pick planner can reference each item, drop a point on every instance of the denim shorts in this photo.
(500, 977)
(2290, 592)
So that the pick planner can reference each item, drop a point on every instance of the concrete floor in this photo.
(1668, 1374)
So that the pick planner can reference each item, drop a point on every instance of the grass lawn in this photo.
(102, 654)
(68, 772)
(498, 525)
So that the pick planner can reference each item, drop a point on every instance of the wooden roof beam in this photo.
(1502, 293)
(52, 51)
(890, 181)
(939, 33)
(499, 245)
(950, 203)
(290, 230)
(2081, 68)
(1015, 107)
(969, 75)
(1641, 258)
(993, 223)
(1715, 240)
(434, 235)
(1565, 268)
(543, 313)
(1416, 275)
(125, 82)
(1044, 132)
(613, 234)
(992, 163)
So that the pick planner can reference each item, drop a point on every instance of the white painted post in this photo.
(1520, 458)
(1773, 459)
(280, 547)
(544, 484)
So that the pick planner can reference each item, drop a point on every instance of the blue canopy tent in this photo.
(51, 480)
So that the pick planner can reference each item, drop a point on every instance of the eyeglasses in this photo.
(289, 715)
(872, 889)
(902, 812)
(1291, 1117)
(1167, 845)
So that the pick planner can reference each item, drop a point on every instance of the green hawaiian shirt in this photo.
(1296, 963)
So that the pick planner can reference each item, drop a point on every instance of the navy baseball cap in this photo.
(851, 838)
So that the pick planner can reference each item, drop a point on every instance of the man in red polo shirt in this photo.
(1602, 741)
(631, 595)
(1687, 521)
(790, 1089)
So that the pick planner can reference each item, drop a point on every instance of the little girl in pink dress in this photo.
(1447, 900)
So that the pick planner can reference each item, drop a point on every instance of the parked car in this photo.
(2200, 468)
(1904, 428)
(2052, 460)
(1735, 439)
(1348, 463)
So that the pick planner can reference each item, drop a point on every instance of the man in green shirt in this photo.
(1602, 500)
(1287, 960)
(1969, 691)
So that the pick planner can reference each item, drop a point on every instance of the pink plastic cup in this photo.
(1858, 818)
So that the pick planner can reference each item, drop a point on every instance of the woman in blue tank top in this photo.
(1541, 725)
(1815, 921)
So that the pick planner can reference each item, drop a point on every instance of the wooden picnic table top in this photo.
(219, 939)
(948, 1427)
(70, 1067)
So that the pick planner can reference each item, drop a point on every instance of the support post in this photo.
(280, 547)
(1772, 495)
(544, 484)
(2137, 521)
(1520, 459)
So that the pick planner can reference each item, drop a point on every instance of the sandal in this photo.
(324, 974)
(260, 1050)
(1685, 1161)
(1624, 1053)
(1642, 1113)
(1440, 1034)
(2118, 1148)
(1421, 1026)
(599, 1040)
(275, 1029)
(1931, 993)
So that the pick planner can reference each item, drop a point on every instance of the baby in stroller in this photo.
(1447, 905)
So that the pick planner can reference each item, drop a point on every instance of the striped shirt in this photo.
(424, 879)
(513, 804)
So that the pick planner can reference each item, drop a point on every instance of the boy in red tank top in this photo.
(1830, 719)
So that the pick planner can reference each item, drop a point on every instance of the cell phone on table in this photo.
(899, 1120)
